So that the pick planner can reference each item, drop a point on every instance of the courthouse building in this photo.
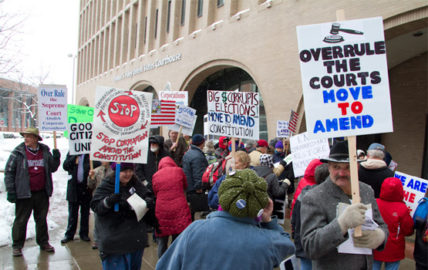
(250, 45)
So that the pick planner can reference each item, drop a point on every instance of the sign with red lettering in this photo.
(414, 189)
(345, 78)
(121, 125)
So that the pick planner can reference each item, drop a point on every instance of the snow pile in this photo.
(58, 209)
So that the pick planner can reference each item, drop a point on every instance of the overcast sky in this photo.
(46, 37)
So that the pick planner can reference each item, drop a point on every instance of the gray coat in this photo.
(321, 233)
(17, 179)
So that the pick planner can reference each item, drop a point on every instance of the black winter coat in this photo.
(78, 192)
(120, 232)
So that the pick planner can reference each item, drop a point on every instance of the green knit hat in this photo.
(243, 194)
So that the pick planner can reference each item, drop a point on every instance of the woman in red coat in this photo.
(172, 212)
(400, 224)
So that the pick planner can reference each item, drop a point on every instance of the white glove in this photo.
(352, 216)
(370, 239)
(287, 181)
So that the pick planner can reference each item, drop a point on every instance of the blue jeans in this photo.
(388, 265)
(128, 261)
(305, 264)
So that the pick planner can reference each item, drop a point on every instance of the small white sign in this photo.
(185, 116)
(305, 150)
(414, 189)
(79, 138)
(282, 130)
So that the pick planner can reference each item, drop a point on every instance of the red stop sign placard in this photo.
(123, 111)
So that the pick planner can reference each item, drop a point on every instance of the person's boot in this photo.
(47, 247)
(17, 252)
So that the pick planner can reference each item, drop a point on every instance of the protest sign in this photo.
(185, 117)
(414, 189)
(282, 130)
(52, 100)
(79, 114)
(233, 114)
(163, 113)
(345, 78)
(180, 97)
(121, 125)
(305, 149)
(80, 135)
(292, 125)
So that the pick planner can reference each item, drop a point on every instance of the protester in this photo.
(194, 165)
(400, 224)
(308, 179)
(172, 211)
(320, 174)
(121, 238)
(323, 229)
(28, 181)
(262, 147)
(420, 219)
(374, 170)
(221, 150)
(233, 238)
(79, 195)
(95, 177)
(242, 161)
(176, 148)
(361, 155)
(209, 152)
(250, 146)
(279, 152)
(144, 172)
(276, 189)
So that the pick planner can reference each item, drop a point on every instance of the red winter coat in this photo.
(169, 185)
(308, 179)
(397, 216)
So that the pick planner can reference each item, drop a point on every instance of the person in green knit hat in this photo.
(242, 235)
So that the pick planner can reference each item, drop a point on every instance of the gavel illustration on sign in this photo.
(335, 37)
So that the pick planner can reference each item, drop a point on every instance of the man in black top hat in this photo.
(323, 229)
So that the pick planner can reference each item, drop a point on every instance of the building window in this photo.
(183, 11)
(200, 7)
(220, 3)
(168, 16)
(156, 22)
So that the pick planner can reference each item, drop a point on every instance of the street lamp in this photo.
(73, 94)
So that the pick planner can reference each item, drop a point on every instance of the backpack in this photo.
(213, 172)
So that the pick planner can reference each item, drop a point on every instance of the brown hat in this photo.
(32, 131)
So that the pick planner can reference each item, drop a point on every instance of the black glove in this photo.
(283, 163)
(11, 197)
(56, 154)
(113, 198)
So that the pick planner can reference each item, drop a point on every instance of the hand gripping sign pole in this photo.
(352, 146)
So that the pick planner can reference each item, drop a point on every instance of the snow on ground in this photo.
(58, 209)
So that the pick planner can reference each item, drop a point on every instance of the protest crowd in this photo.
(235, 188)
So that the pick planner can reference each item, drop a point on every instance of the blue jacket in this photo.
(194, 165)
(222, 242)
(213, 193)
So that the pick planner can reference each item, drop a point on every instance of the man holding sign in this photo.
(324, 228)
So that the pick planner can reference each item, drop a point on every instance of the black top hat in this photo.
(338, 153)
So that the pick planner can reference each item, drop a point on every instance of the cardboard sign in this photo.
(52, 101)
(345, 78)
(80, 135)
(233, 114)
(282, 130)
(121, 125)
(304, 150)
(185, 117)
(414, 189)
